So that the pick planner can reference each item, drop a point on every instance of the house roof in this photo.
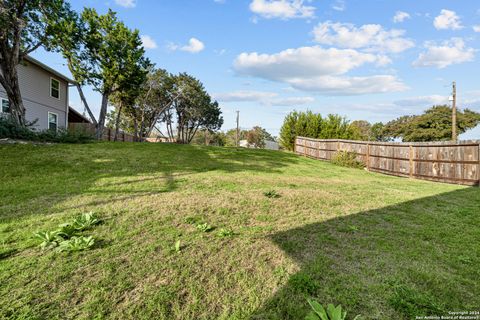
(76, 117)
(47, 68)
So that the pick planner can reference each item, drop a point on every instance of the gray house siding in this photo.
(35, 89)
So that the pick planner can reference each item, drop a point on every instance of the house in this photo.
(44, 93)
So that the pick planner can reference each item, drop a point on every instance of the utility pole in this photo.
(237, 136)
(454, 112)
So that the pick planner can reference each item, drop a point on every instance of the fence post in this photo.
(304, 147)
(368, 156)
(410, 157)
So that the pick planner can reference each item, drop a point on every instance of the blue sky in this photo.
(365, 59)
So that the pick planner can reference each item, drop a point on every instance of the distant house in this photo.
(271, 145)
(44, 93)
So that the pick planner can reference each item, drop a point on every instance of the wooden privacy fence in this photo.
(438, 161)
(108, 134)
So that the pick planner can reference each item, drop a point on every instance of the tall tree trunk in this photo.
(84, 101)
(103, 114)
(135, 127)
(117, 121)
(9, 80)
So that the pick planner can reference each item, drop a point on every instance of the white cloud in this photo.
(401, 16)
(126, 3)
(422, 101)
(344, 85)
(371, 37)
(442, 55)
(292, 101)
(148, 42)
(282, 9)
(447, 20)
(318, 69)
(476, 28)
(301, 62)
(241, 96)
(194, 46)
(263, 97)
(339, 5)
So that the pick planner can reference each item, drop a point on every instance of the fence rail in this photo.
(108, 134)
(449, 162)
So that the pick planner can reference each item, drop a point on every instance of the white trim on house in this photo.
(1, 106)
(51, 96)
(56, 120)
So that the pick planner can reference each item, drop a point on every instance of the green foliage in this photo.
(66, 238)
(309, 124)
(49, 239)
(257, 137)
(271, 194)
(347, 159)
(10, 129)
(318, 312)
(76, 244)
(204, 227)
(192, 109)
(24, 27)
(435, 124)
(225, 232)
(67, 230)
(85, 221)
(178, 247)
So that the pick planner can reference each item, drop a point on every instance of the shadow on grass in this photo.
(39, 177)
(416, 258)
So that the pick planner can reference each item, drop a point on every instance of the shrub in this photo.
(9, 129)
(347, 159)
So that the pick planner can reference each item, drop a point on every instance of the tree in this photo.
(363, 129)
(257, 137)
(435, 124)
(102, 52)
(231, 136)
(309, 124)
(25, 25)
(288, 131)
(192, 109)
(378, 132)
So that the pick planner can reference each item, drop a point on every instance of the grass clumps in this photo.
(272, 194)
(204, 227)
(225, 232)
(67, 238)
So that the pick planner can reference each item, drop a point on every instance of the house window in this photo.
(52, 121)
(5, 106)
(54, 88)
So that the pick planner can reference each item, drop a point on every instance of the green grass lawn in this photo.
(383, 247)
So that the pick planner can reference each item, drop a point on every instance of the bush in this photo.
(9, 129)
(347, 159)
